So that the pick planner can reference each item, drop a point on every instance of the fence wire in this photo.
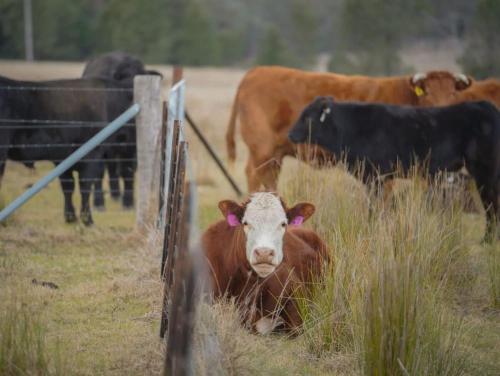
(22, 129)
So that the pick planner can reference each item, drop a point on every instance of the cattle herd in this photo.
(259, 254)
(48, 120)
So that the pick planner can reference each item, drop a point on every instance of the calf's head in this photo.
(315, 123)
(438, 88)
(264, 219)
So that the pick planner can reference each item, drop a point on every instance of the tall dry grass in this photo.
(397, 265)
(24, 349)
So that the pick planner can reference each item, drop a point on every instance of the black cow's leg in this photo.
(99, 202)
(2, 168)
(5, 140)
(488, 190)
(87, 175)
(127, 173)
(114, 180)
(85, 212)
(68, 187)
(489, 197)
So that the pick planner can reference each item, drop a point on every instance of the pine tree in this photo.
(482, 54)
(272, 49)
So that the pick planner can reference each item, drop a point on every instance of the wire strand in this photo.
(60, 88)
(26, 146)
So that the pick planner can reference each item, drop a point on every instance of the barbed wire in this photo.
(94, 211)
(95, 180)
(61, 88)
(92, 191)
(26, 146)
(90, 160)
(54, 124)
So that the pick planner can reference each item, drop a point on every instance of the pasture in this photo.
(413, 285)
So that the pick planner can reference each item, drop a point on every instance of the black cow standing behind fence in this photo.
(49, 120)
(121, 67)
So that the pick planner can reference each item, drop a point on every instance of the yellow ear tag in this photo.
(419, 91)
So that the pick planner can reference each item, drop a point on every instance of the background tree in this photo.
(141, 28)
(196, 42)
(11, 29)
(372, 34)
(361, 36)
(304, 27)
(272, 49)
(481, 57)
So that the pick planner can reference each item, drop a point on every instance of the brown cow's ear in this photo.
(463, 81)
(232, 211)
(300, 213)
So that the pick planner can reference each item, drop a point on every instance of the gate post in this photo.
(147, 90)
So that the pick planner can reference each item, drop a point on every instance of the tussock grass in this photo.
(386, 298)
(23, 342)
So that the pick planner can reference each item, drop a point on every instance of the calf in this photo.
(385, 137)
(260, 256)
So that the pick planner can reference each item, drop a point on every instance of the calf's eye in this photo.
(283, 224)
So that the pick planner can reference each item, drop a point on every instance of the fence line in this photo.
(180, 254)
(70, 145)
(71, 160)
(62, 88)
(87, 160)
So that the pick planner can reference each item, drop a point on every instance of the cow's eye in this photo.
(245, 223)
(283, 224)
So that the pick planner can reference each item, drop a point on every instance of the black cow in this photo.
(386, 137)
(122, 67)
(35, 114)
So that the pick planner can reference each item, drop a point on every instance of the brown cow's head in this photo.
(264, 218)
(438, 88)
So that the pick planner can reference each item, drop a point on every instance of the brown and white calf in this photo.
(260, 256)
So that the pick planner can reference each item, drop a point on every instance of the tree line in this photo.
(360, 36)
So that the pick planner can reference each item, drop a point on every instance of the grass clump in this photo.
(396, 267)
(23, 343)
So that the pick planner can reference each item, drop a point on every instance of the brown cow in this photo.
(488, 90)
(260, 256)
(270, 99)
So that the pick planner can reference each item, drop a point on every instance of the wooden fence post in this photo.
(148, 128)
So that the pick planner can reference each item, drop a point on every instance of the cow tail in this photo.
(230, 143)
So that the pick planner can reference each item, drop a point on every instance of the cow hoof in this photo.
(115, 195)
(100, 208)
(128, 203)
(86, 219)
(70, 217)
(99, 203)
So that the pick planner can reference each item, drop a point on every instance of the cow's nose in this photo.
(264, 255)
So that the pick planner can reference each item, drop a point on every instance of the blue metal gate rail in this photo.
(78, 154)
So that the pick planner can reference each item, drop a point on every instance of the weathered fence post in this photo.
(148, 127)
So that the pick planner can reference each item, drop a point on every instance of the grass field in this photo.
(412, 291)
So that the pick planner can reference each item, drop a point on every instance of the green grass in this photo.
(411, 290)
(104, 317)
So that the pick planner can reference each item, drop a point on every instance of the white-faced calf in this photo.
(260, 255)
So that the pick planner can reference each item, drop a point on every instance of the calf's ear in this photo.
(232, 211)
(299, 213)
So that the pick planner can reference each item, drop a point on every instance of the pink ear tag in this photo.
(297, 221)
(232, 220)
